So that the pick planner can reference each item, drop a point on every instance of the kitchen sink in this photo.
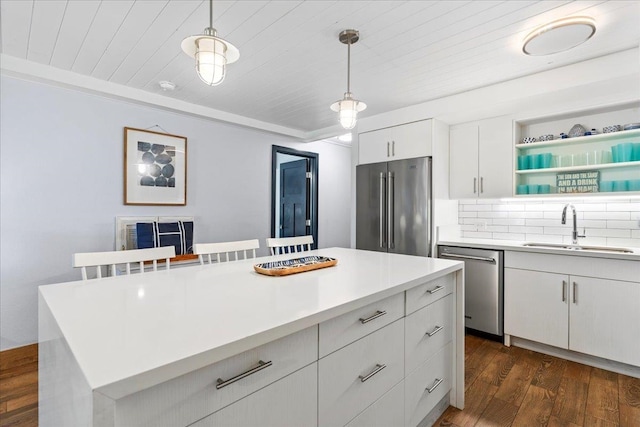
(579, 247)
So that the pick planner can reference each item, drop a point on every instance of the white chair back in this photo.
(220, 251)
(113, 258)
(287, 245)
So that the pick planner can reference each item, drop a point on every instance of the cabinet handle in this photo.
(482, 184)
(435, 331)
(575, 299)
(383, 186)
(474, 185)
(434, 290)
(388, 148)
(261, 365)
(393, 148)
(377, 314)
(564, 290)
(435, 385)
(377, 369)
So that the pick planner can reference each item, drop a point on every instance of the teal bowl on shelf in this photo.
(605, 186)
(620, 185)
(633, 185)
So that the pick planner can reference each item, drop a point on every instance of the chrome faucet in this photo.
(574, 233)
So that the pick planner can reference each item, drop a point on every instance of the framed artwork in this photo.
(155, 168)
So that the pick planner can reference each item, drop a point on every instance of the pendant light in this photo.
(348, 108)
(212, 54)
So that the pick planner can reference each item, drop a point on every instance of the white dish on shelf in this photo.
(630, 126)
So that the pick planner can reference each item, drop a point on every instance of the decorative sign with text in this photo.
(578, 182)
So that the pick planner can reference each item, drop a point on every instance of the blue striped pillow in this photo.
(155, 234)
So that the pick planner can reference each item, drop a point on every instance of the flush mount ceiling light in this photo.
(212, 53)
(348, 108)
(559, 35)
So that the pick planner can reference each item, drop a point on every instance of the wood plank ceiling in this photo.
(291, 65)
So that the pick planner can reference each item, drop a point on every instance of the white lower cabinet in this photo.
(427, 385)
(594, 316)
(604, 319)
(536, 306)
(355, 376)
(291, 401)
(387, 411)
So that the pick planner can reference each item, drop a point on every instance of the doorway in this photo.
(294, 193)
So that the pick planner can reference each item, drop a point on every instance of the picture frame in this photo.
(155, 168)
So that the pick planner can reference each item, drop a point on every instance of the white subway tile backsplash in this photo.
(621, 224)
(467, 214)
(493, 214)
(605, 222)
(508, 236)
(467, 202)
(624, 216)
(608, 232)
(634, 207)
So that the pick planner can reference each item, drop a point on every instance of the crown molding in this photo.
(27, 70)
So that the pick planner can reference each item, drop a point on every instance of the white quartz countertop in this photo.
(514, 245)
(128, 333)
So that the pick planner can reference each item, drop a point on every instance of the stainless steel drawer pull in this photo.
(434, 290)
(435, 385)
(377, 369)
(470, 257)
(575, 298)
(261, 365)
(373, 317)
(564, 290)
(435, 331)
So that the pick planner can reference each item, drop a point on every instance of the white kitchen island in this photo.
(379, 335)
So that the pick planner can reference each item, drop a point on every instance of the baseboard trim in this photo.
(585, 359)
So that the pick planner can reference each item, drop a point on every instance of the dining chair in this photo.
(287, 245)
(113, 258)
(215, 251)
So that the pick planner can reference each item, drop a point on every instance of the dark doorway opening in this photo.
(294, 193)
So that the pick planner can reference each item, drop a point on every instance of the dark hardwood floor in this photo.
(19, 387)
(504, 386)
(510, 386)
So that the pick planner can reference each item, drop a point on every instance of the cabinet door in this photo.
(536, 306)
(375, 146)
(292, 401)
(463, 162)
(495, 158)
(604, 319)
(411, 140)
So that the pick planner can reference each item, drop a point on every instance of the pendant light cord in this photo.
(210, 13)
(349, 65)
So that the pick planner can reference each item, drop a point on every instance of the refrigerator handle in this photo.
(382, 205)
(390, 219)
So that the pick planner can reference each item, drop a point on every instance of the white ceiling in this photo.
(292, 66)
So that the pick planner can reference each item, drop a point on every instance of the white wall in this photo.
(61, 186)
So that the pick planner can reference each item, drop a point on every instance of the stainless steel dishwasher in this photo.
(484, 285)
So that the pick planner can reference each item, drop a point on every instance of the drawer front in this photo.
(291, 401)
(386, 411)
(426, 331)
(342, 393)
(418, 400)
(340, 331)
(193, 396)
(423, 295)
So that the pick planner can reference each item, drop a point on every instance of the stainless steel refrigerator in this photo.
(394, 206)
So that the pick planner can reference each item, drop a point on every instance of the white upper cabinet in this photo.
(481, 159)
(396, 143)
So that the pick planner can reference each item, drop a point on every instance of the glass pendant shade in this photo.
(212, 54)
(348, 109)
(211, 60)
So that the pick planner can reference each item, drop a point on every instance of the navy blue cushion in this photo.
(155, 234)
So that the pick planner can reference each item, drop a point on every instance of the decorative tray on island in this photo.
(293, 266)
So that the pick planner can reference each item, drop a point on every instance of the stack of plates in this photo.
(630, 126)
